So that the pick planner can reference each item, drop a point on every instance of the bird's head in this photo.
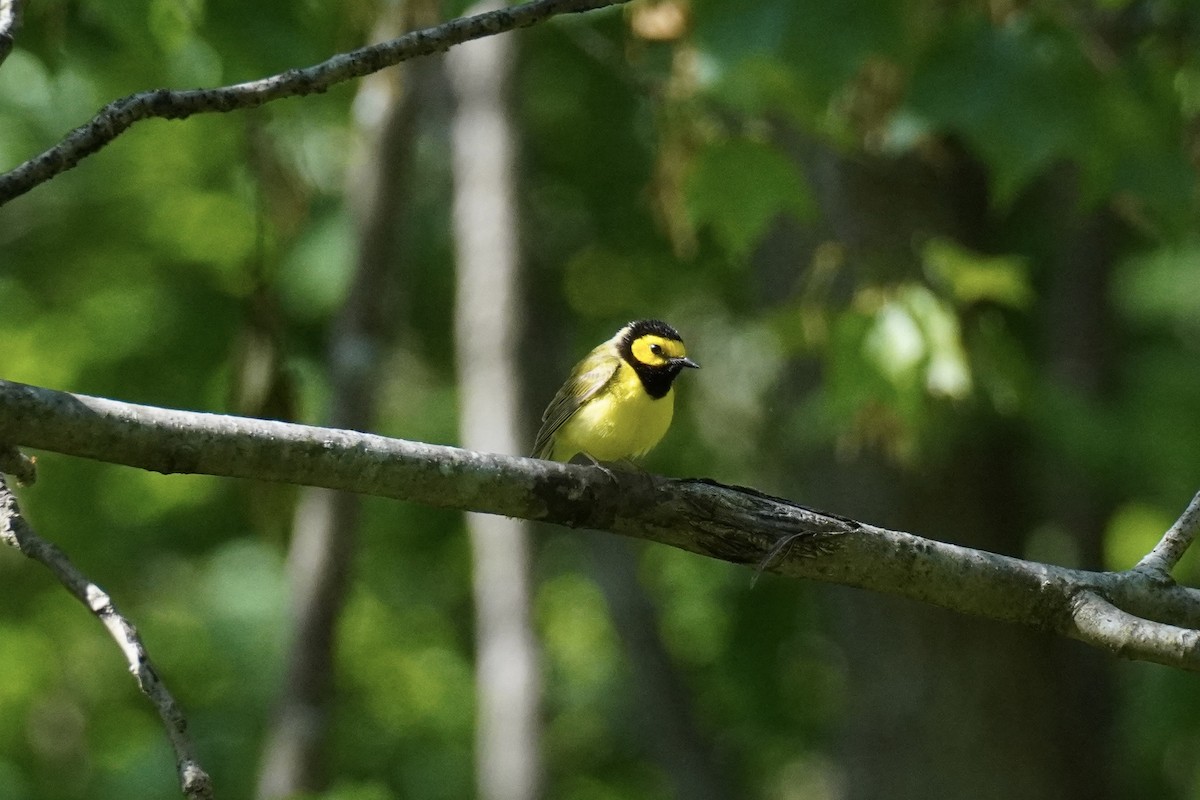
(655, 351)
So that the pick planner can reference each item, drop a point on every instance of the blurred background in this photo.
(939, 261)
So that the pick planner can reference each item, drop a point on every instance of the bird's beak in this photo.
(686, 362)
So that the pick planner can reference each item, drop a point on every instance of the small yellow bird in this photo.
(618, 401)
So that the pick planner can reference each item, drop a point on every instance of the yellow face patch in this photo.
(655, 351)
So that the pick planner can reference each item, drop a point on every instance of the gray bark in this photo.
(508, 683)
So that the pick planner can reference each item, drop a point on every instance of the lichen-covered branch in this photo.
(730, 523)
(16, 532)
(115, 118)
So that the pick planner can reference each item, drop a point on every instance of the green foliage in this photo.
(970, 278)
(1162, 288)
(1012, 111)
(861, 215)
(739, 188)
(825, 41)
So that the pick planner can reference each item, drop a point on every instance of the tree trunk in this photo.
(508, 685)
(941, 706)
(326, 522)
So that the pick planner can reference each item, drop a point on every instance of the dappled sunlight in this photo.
(937, 263)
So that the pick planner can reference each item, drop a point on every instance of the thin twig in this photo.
(16, 532)
(20, 466)
(11, 12)
(117, 117)
(1159, 562)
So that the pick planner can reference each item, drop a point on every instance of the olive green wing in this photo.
(589, 377)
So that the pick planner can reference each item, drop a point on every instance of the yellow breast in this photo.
(620, 422)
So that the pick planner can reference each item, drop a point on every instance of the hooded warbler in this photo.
(618, 401)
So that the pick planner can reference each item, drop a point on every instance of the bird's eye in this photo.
(656, 349)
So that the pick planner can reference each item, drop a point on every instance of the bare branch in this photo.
(11, 12)
(730, 523)
(16, 532)
(1100, 623)
(117, 117)
(1159, 562)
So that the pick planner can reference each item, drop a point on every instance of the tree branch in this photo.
(730, 523)
(1100, 623)
(20, 466)
(1159, 562)
(16, 532)
(118, 116)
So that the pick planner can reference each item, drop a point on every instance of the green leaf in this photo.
(739, 187)
(1022, 96)
(1161, 287)
(825, 41)
(972, 277)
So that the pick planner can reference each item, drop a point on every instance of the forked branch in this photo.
(730, 523)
